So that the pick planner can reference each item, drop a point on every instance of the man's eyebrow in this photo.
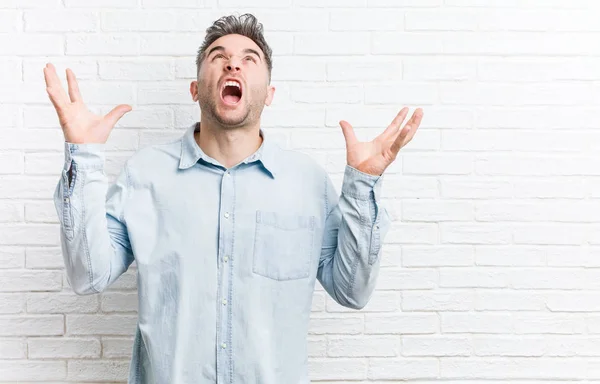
(250, 50)
(217, 48)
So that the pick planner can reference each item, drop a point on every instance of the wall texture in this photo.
(492, 268)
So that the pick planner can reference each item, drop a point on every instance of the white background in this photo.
(491, 270)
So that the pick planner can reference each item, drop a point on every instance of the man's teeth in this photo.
(232, 84)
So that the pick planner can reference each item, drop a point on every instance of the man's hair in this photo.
(245, 25)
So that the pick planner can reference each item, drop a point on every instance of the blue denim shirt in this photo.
(227, 259)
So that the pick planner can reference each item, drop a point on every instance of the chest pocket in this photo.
(283, 245)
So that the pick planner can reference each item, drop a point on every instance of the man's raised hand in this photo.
(79, 125)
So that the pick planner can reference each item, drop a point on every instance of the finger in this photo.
(395, 125)
(54, 88)
(414, 123)
(117, 112)
(74, 93)
(408, 132)
(348, 132)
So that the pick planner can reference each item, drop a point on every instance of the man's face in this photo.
(233, 82)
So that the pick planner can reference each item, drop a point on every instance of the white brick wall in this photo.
(490, 271)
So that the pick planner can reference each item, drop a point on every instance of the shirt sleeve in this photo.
(355, 228)
(94, 239)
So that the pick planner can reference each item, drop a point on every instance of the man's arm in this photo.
(355, 228)
(94, 239)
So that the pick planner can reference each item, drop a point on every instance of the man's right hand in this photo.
(79, 125)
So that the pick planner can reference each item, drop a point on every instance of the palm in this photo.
(375, 156)
(79, 124)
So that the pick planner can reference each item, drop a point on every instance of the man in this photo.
(229, 231)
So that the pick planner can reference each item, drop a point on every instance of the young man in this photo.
(228, 230)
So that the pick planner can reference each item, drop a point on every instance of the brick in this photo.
(11, 303)
(406, 324)
(436, 346)
(301, 20)
(61, 302)
(386, 43)
(11, 212)
(332, 43)
(169, 44)
(11, 257)
(438, 164)
(433, 69)
(411, 93)
(380, 301)
(337, 369)
(436, 211)
(101, 324)
(38, 325)
(154, 70)
(25, 234)
(117, 347)
(362, 346)
(29, 280)
(476, 323)
(361, 70)
(475, 233)
(330, 3)
(31, 44)
(475, 187)
(44, 257)
(443, 300)
(327, 324)
(513, 368)
(12, 72)
(366, 20)
(45, 116)
(474, 278)
(392, 278)
(439, 256)
(63, 347)
(13, 348)
(413, 233)
(176, 4)
(506, 300)
(32, 139)
(326, 94)
(32, 370)
(61, 21)
(119, 302)
(104, 370)
(103, 44)
(405, 369)
(317, 346)
(41, 212)
(100, 3)
(550, 323)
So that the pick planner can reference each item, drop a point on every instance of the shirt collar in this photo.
(191, 152)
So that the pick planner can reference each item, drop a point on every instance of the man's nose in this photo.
(233, 65)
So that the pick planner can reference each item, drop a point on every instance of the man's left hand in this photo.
(373, 157)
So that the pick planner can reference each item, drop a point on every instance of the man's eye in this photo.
(218, 56)
(250, 58)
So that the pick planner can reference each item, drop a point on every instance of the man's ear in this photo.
(194, 90)
(270, 95)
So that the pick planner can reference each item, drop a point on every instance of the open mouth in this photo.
(231, 92)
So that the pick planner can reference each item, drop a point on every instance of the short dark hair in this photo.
(245, 25)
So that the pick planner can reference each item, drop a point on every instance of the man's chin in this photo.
(231, 119)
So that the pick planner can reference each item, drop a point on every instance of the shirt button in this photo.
(226, 259)
(66, 199)
(224, 301)
(226, 215)
(223, 345)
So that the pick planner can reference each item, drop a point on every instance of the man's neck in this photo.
(229, 146)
